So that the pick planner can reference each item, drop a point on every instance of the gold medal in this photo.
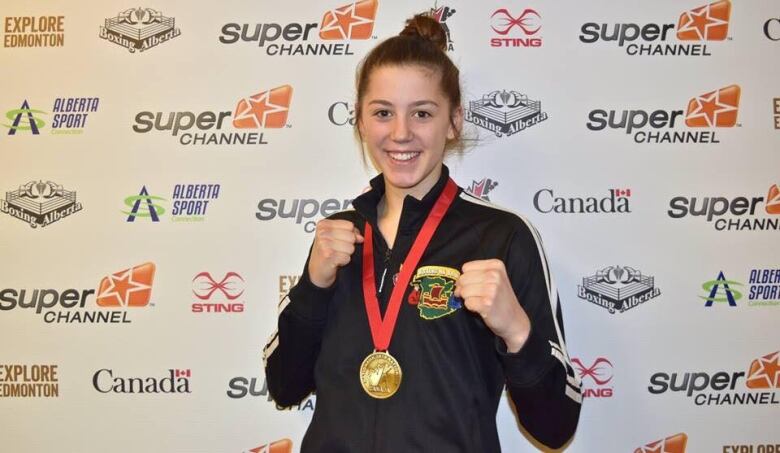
(380, 375)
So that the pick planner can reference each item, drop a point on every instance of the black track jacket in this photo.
(454, 367)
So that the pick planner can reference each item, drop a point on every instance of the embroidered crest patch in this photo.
(433, 291)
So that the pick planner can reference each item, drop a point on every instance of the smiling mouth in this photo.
(402, 156)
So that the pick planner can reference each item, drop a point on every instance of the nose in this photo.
(401, 131)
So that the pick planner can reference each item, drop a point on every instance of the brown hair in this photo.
(422, 42)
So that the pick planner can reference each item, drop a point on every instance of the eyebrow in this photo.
(413, 104)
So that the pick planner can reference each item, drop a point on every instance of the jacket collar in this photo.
(414, 211)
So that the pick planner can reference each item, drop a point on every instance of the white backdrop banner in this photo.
(164, 165)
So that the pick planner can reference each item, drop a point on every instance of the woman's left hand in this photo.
(485, 289)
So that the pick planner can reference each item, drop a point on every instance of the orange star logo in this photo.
(773, 200)
(280, 446)
(765, 372)
(353, 21)
(672, 444)
(709, 22)
(128, 288)
(267, 109)
(714, 109)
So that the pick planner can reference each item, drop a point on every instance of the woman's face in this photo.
(405, 123)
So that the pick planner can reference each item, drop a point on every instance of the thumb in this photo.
(358, 237)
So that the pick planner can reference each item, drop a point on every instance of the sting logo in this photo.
(601, 375)
(230, 288)
(503, 22)
(209, 286)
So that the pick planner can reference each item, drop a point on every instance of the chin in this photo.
(403, 181)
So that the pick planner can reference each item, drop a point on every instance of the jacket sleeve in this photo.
(542, 383)
(292, 350)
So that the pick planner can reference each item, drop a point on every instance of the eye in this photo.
(382, 113)
(423, 114)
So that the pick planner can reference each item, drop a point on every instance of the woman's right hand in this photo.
(334, 244)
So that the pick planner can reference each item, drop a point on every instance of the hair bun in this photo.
(427, 28)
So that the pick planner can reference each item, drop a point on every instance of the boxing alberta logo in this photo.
(433, 291)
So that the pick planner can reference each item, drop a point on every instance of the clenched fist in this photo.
(334, 243)
(485, 289)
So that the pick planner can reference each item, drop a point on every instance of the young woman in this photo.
(416, 308)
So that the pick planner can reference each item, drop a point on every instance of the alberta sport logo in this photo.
(671, 444)
(695, 31)
(31, 31)
(741, 213)
(263, 110)
(712, 110)
(69, 117)
(618, 288)
(139, 29)
(190, 203)
(758, 386)
(762, 289)
(519, 30)
(505, 112)
(338, 28)
(175, 381)
(40, 203)
(118, 293)
(218, 295)
(596, 378)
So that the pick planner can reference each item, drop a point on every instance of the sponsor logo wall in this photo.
(162, 171)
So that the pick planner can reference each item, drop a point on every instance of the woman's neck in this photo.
(392, 203)
(394, 196)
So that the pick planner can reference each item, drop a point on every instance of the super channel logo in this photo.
(301, 211)
(740, 213)
(264, 110)
(758, 386)
(704, 116)
(333, 35)
(255, 387)
(692, 35)
(118, 294)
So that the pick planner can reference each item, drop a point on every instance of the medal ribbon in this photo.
(382, 329)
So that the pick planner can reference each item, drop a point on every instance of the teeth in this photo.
(403, 156)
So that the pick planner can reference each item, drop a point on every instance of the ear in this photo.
(457, 121)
